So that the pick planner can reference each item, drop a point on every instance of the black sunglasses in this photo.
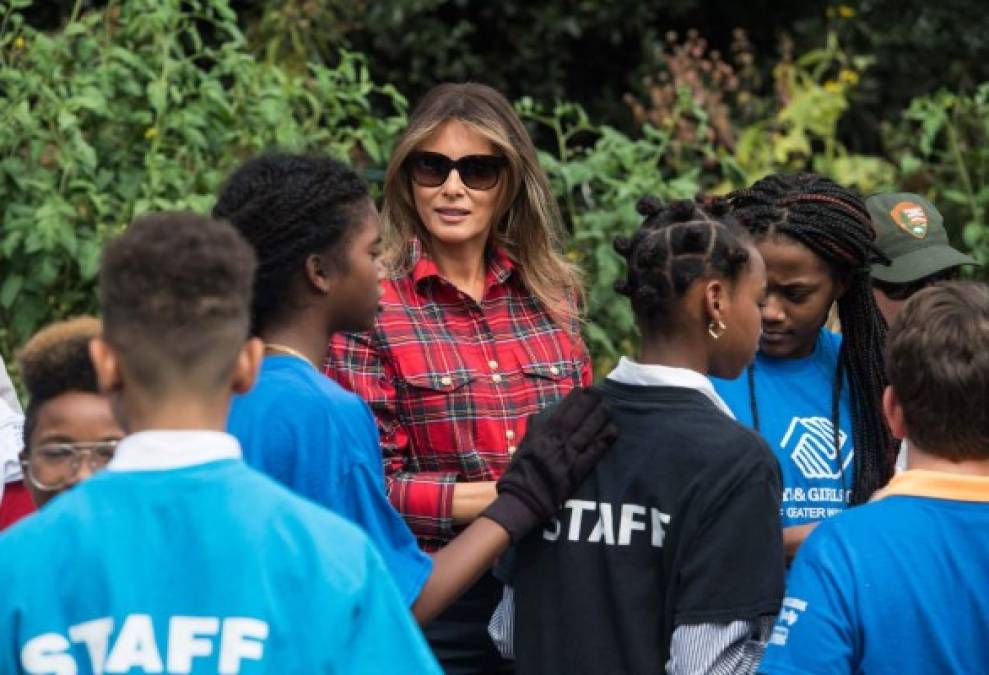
(478, 172)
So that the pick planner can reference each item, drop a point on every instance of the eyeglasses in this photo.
(52, 466)
(478, 172)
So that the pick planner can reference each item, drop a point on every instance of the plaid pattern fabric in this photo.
(452, 381)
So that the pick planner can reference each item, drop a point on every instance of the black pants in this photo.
(459, 636)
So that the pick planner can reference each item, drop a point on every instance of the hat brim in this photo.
(921, 263)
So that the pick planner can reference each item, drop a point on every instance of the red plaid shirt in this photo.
(451, 382)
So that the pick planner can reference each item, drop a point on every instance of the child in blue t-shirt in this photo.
(901, 585)
(815, 395)
(316, 234)
(178, 557)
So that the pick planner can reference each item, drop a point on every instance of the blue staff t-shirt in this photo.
(319, 440)
(899, 586)
(794, 404)
(179, 558)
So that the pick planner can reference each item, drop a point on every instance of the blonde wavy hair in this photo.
(527, 221)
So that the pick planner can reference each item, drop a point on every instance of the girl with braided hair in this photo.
(630, 577)
(813, 394)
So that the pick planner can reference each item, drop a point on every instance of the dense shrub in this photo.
(145, 105)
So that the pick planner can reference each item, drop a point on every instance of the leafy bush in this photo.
(146, 105)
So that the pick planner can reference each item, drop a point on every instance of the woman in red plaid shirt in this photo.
(478, 328)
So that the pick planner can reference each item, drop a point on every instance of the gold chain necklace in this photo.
(282, 349)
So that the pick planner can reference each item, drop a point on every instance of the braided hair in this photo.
(289, 207)
(676, 245)
(833, 222)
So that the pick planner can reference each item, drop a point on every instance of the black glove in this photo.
(560, 447)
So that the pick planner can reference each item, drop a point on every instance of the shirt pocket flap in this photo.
(554, 370)
(444, 382)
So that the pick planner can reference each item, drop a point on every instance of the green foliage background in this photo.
(111, 109)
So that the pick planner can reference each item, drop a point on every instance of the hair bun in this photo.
(649, 206)
(623, 246)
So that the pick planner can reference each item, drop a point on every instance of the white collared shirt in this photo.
(161, 450)
(11, 443)
(631, 372)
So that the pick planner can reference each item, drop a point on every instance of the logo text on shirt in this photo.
(631, 518)
(135, 647)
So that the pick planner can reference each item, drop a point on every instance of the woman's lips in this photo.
(452, 216)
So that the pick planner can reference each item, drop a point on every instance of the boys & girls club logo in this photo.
(810, 442)
(910, 218)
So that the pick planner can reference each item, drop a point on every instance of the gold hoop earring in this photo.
(716, 330)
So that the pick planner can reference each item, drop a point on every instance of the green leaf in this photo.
(11, 287)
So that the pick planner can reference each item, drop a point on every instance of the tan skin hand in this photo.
(458, 565)
(470, 500)
(794, 536)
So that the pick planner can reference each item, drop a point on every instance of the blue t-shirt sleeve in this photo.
(382, 614)
(816, 628)
(364, 502)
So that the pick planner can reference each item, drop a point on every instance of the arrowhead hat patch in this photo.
(911, 218)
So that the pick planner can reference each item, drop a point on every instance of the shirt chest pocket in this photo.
(436, 407)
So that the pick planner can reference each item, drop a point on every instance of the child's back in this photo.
(669, 555)
(668, 529)
(185, 560)
(905, 579)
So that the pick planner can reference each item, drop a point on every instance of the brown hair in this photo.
(56, 361)
(176, 293)
(937, 362)
(527, 221)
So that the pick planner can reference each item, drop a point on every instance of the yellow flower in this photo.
(152, 132)
(833, 87)
(19, 43)
(846, 12)
(849, 76)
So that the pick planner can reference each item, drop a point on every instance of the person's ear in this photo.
(106, 363)
(318, 273)
(247, 366)
(894, 413)
(715, 300)
(840, 286)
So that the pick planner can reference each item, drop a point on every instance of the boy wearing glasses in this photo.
(178, 557)
(69, 428)
(910, 232)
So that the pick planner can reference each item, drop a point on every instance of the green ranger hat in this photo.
(910, 232)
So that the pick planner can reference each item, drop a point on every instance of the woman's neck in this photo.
(462, 265)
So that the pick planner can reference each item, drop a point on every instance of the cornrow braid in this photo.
(287, 207)
(676, 245)
(833, 222)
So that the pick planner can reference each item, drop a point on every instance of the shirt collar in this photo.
(937, 485)
(160, 450)
(653, 375)
(499, 266)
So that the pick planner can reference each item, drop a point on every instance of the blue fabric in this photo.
(319, 440)
(794, 403)
(202, 569)
(898, 586)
